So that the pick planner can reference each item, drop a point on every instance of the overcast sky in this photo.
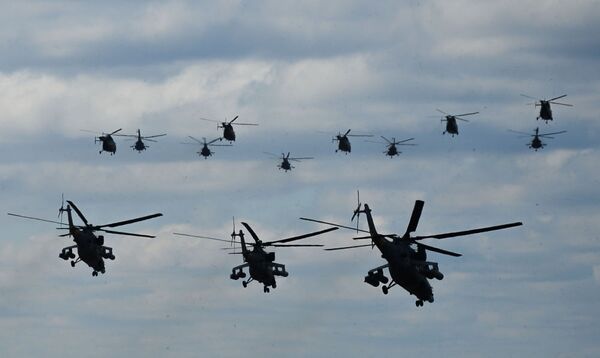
(303, 71)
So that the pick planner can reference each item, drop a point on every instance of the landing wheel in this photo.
(274, 285)
(245, 284)
(419, 303)
(384, 279)
(72, 263)
(384, 289)
(95, 273)
(266, 289)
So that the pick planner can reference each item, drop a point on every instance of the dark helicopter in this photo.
(139, 144)
(392, 150)
(343, 141)
(451, 124)
(205, 151)
(545, 108)
(90, 248)
(536, 142)
(228, 132)
(407, 265)
(261, 264)
(108, 143)
(285, 160)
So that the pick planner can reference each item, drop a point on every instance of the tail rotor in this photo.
(357, 211)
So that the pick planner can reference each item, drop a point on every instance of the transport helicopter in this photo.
(545, 108)
(343, 141)
(139, 143)
(406, 257)
(285, 160)
(205, 151)
(228, 132)
(90, 248)
(260, 263)
(108, 143)
(536, 142)
(391, 149)
(450, 119)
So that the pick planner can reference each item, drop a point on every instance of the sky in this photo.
(303, 71)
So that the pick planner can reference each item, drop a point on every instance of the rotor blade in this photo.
(435, 249)
(34, 218)
(126, 135)
(462, 119)
(220, 145)
(234, 119)
(299, 237)
(466, 114)
(127, 233)
(245, 124)
(131, 221)
(214, 140)
(555, 98)
(197, 140)
(526, 96)
(252, 233)
(202, 237)
(546, 134)
(406, 140)
(79, 213)
(387, 140)
(301, 158)
(154, 136)
(150, 140)
(210, 120)
(332, 224)
(88, 131)
(118, 130)
(348, 131)
(347, 247)
(562, 104)
(271, 154)
(360, 135)
(297, 245)
(468, 232)
(527, 134)
(414, 217)
(439, 110)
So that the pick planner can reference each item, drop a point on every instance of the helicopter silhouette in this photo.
(90, 248)
(391, 149)
(260, 263)
(205, 151)
(407, 266)
(545, 108)
(343, 141)
(228, 132)
(108, 143)
(536, 142)
(450, 119)
(139, 144)
(285, 160)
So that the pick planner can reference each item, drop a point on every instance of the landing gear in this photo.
(266, 289)
(385, 290)
(95, 273)
(245, 284)
(419, 303)
(72, 263)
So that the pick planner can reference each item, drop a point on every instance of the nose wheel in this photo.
(266, 289)
(419, 303)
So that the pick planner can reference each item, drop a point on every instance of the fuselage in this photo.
(451, 125)
(545, 111)
(228, 132)
(285, 165)
(392, 150)
(88, 248)
(344, 144)
(139, 145)
(260, 266)
(205, 152)
(108, 144)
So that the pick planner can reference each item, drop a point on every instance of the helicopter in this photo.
(545, 108)
(536, 142)
(139, 144)
(450, 119)
(285, 160)
(90, 248)
(392, 150)
(407, 265)
(228, 132)
(343, 141)
(261, 264)
(205, 151)
(108, 143)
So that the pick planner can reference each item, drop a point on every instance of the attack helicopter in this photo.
(545, 108)
(108, 143)
(205, 151)
(343, 141)
(228, 132)
(407, 266)
(139, 144)
(285, 160)
(90, 248)
(391, 149)
(536, 142)
(450, 119)
(261, 264)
